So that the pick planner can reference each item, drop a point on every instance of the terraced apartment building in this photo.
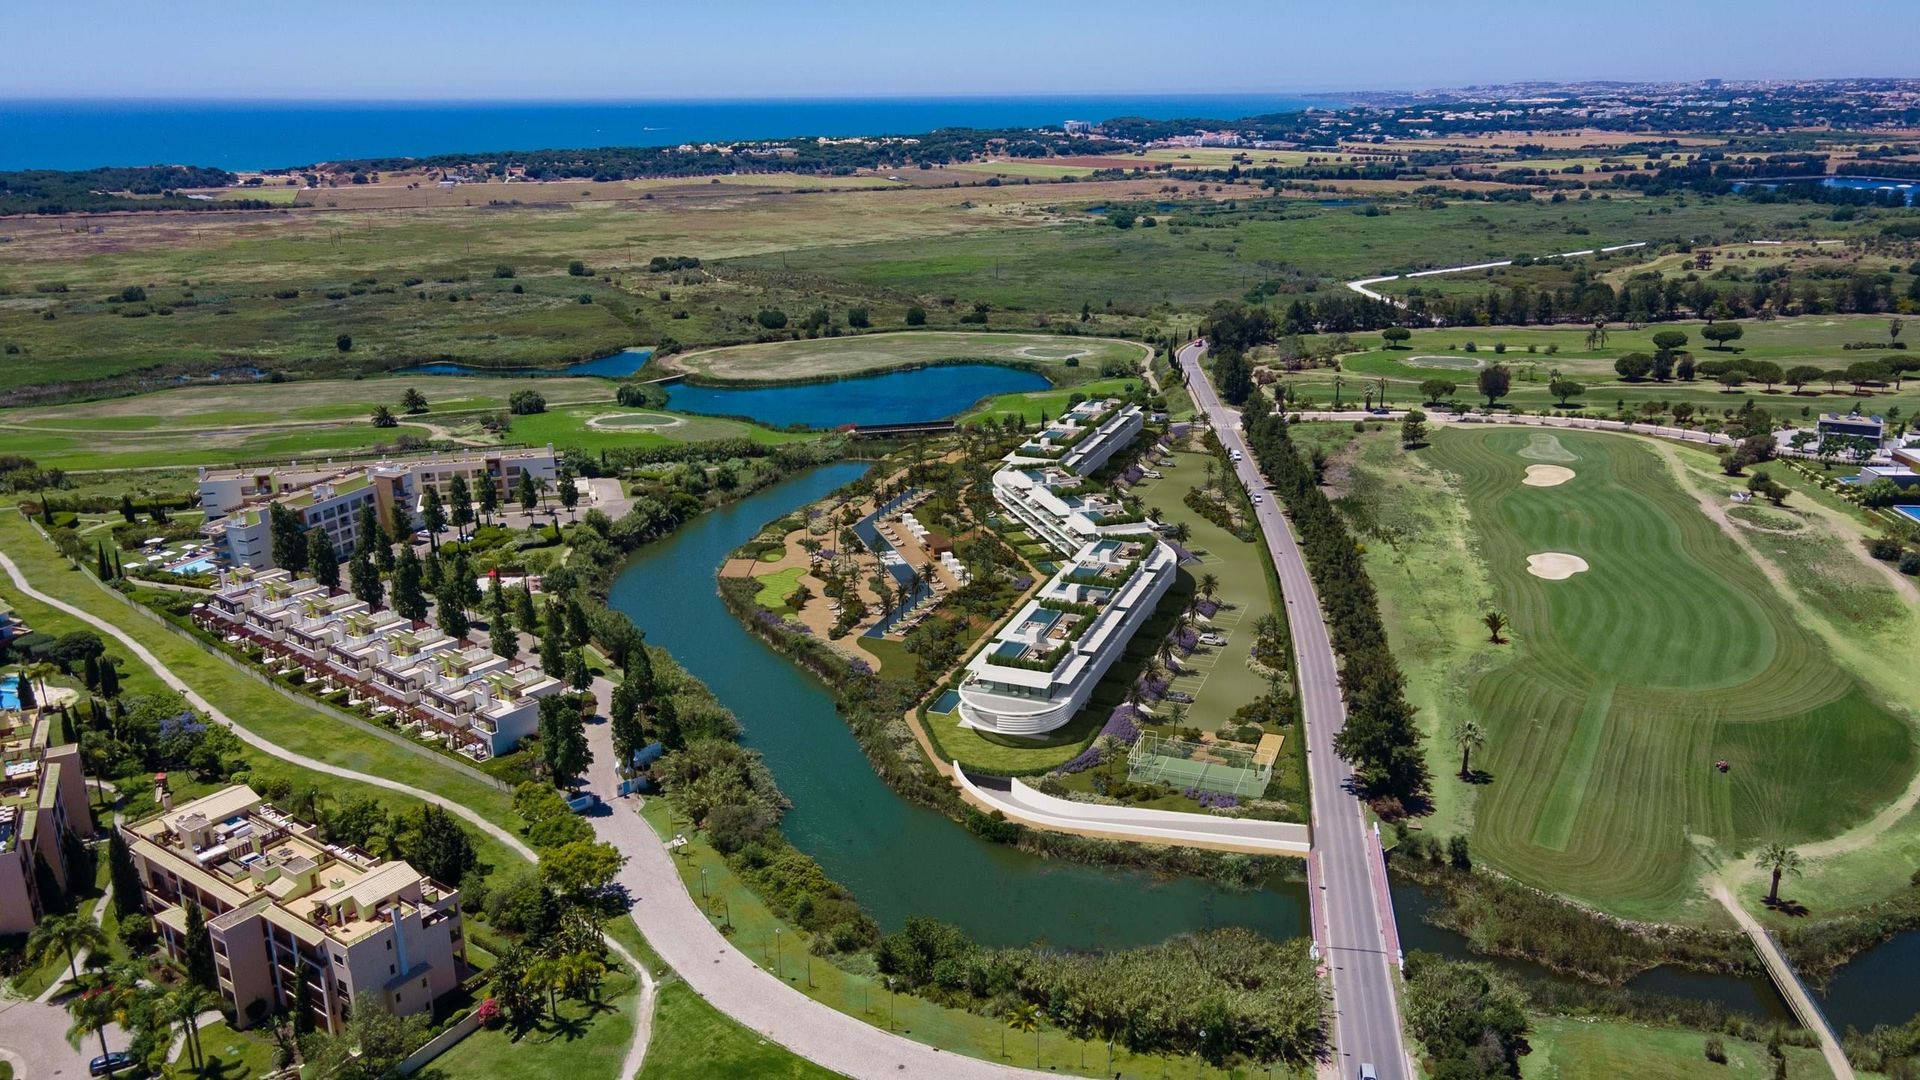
(1040, 668)
(481, 704)
(43, 808)
(328, 497)
(293, 920)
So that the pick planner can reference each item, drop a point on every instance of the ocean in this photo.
(266, 135)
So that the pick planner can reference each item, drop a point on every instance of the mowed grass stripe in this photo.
(1705, 662)
(1575, 774)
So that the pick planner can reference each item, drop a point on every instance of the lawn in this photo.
(825, 358)
(1568, 1049)
(233, 1055)
(587, 1039)
(775, 587)
(1031, 405)
(693, 1041)
(1624, 684)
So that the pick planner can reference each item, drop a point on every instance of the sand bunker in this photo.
(1547, 475)
(1555, 565)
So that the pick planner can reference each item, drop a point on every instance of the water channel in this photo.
(901, 860)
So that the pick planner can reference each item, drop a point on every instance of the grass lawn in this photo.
(774, 588)
(694, 1041)
(730, 903)
(233, 1055)
(1031, 404)
(1567, 1049)
(861, 354)
(1624, 684)
(587, 1039)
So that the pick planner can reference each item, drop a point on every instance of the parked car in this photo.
(583, 802)
(1179, 697)
(119, 1061)
(1214, 640)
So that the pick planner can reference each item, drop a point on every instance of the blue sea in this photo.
(267, 135)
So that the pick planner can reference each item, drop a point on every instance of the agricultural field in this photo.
(812, 360)
(1645, 645)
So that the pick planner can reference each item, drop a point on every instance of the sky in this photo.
(653, 49)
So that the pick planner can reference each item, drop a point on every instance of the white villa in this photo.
(1042, 666)
(332, 497)
(481, 704)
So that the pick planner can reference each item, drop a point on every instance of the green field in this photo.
(1624, 684)
(693, 1041)
(1570, 1049)
(823, 358)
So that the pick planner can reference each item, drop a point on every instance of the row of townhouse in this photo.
(43, 806)
(332, 498)
(1042, 665)
(482, 704)
(293, 920)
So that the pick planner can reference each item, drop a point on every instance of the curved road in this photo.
(643, 1017)
(1354, 916)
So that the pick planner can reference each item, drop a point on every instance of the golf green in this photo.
(1627, 683)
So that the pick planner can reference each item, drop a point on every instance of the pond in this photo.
(897, 397)
(620, 365)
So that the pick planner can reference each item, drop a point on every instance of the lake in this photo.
(618, 365)
(897, 397)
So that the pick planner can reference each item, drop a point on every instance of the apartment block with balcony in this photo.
(333, 498)
(295, 920)
(1084, 437)
(1041, 667)
(480, 704)
(43, 803)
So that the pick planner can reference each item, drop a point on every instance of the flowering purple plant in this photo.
(1207, 607)
(1154, 688)
(1187, 639)
(1212, 800)
(1121, 726)
(1086, 759)
(1133, 474)
(859, 668)
(1180, 554)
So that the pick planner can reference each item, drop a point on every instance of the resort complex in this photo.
(294, 921)
(235, 501)
(478, 703)
(43, 813)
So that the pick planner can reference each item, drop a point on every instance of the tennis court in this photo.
(1228, 768)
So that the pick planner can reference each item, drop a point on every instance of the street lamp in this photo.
(703, 883)
(776, 953)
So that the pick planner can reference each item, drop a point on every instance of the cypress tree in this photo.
(101, 568)
(198, 948)
(126, 879)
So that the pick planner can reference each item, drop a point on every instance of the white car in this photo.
(1258, 498)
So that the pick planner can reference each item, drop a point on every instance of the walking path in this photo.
(643, 1020)
(753, 996)
(1789, 983)
(1361, 285)
(1040, 810)
(1366, 1023)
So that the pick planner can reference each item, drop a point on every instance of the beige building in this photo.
(43, 801)
(284, 910)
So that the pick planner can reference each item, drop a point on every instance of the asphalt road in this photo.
(1366, 1024)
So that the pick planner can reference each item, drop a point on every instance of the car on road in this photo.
(1378, 412)
(1179, 697)
(1258, 498)
(1368, 1072)
(119, 1061)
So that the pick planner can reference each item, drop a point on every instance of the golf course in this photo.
(1653, 651)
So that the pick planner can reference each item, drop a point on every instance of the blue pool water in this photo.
(619, 365)
(1909, 512)
(202, 565)
(898, 397)
(946, 702)
(10, 692)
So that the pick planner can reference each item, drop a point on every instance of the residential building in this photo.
(333, 498)
(1061, 508)
(1084, 438)
(43, 804)
(1851, 426)
(293, 920)
(480, 704)
(1040, 668)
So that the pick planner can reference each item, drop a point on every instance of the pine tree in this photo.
(364, 577)
(579, 629)
(109, 680)
(90, 673)
(489, 498)
(289, 545)
(461, 496)
(553, 641)
(452, 612)
(438, 847)
(639, 667)
(322, 559)
(400, 523)
(563, 739)
(525, 615)
(433, 517)
(629, 733)
(127, 889)
(579, 675)
(408, 597)
(666, 724)
(198, 947)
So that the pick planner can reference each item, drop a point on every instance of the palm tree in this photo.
(1495, 622)
(94, 1008)
(1469, 736)
(1024, 1017)
(1209, 585)
(183, 1006)
(1779, 859)
(65, 933)
(1182, 532)
(549, 974)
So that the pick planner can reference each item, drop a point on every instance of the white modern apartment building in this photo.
(480, 703)
(1043, 482)
(1042, 665)
(1084, 438)
(332, 498)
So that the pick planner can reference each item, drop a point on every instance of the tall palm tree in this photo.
(183, 1005)
(1209, 585)
(68, 933)
(94, 1008)
(1469, 736)
(1024, 1017)
(1779, 859)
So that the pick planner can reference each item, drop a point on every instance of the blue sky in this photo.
(859, 48)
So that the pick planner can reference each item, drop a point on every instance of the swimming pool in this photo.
(946, 703)
(1911, 513)
(203, 565)
(10, 692)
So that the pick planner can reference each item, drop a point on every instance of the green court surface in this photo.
(1184, 764)
(1626, 683)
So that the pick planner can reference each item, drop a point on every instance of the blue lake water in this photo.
(1907, 188)
(898, 397)
(619, 365)
(278, 134)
